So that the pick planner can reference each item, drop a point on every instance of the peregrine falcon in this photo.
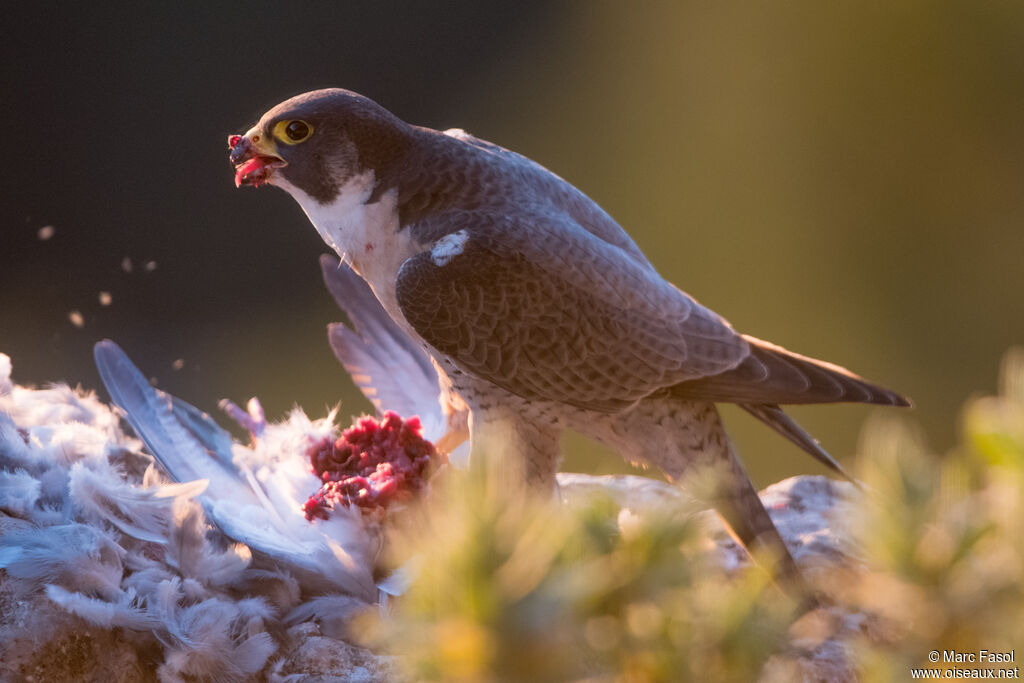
(539, 312)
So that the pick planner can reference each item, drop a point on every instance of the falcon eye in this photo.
(292, 132)
(297, 130)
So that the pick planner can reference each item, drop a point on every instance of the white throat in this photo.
(365, 235)
(342, 223)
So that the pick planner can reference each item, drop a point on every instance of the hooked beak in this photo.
(253, 159)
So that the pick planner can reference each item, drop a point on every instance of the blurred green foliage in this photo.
(510, 587)
(944, 534)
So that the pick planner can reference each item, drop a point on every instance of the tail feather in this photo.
(773, 416)
(772, 375)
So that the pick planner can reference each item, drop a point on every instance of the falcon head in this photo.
(316, 142)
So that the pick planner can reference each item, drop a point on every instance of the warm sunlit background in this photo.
(844, 179)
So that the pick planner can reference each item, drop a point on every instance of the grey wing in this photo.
(547, 310)
(391, 370)
(189, 444)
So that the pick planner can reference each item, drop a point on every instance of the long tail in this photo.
(772, 375)
(774, 417)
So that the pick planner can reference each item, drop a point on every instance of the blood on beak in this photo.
(251, 166)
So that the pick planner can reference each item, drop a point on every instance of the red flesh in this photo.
(373, 464)
(252, 166)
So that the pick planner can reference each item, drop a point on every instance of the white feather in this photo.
(19, 492)
(279, 588)
(127, 612)
(332, 612)
(145, 514)
(145, 581)
(76, 556)
(53, 484)
(60, 404)
(448, 247)
(135, 552)
(14, 448)
(5, 374)
(195, 556)
(215, 639)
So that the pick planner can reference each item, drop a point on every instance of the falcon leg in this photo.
(715, 474)
(726, 485)
(688, 443)
(514, 449)
(452, 438)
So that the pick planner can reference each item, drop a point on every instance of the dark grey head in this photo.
(317, 142)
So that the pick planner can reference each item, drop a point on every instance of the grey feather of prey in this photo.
(188, 443)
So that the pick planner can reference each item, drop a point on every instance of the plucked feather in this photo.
(331, 612)
(19, 492)
(144, 514)
(5, 374)
(214, 639)
(253, 494)
(196, 556)
(98, 532)
(77, 556)
(126, 612)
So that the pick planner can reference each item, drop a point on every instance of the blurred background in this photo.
(846, 180)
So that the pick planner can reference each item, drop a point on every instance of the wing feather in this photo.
(391, 370)
(550, 299)
(547, 310)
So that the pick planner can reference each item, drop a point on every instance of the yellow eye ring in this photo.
(292, 132)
